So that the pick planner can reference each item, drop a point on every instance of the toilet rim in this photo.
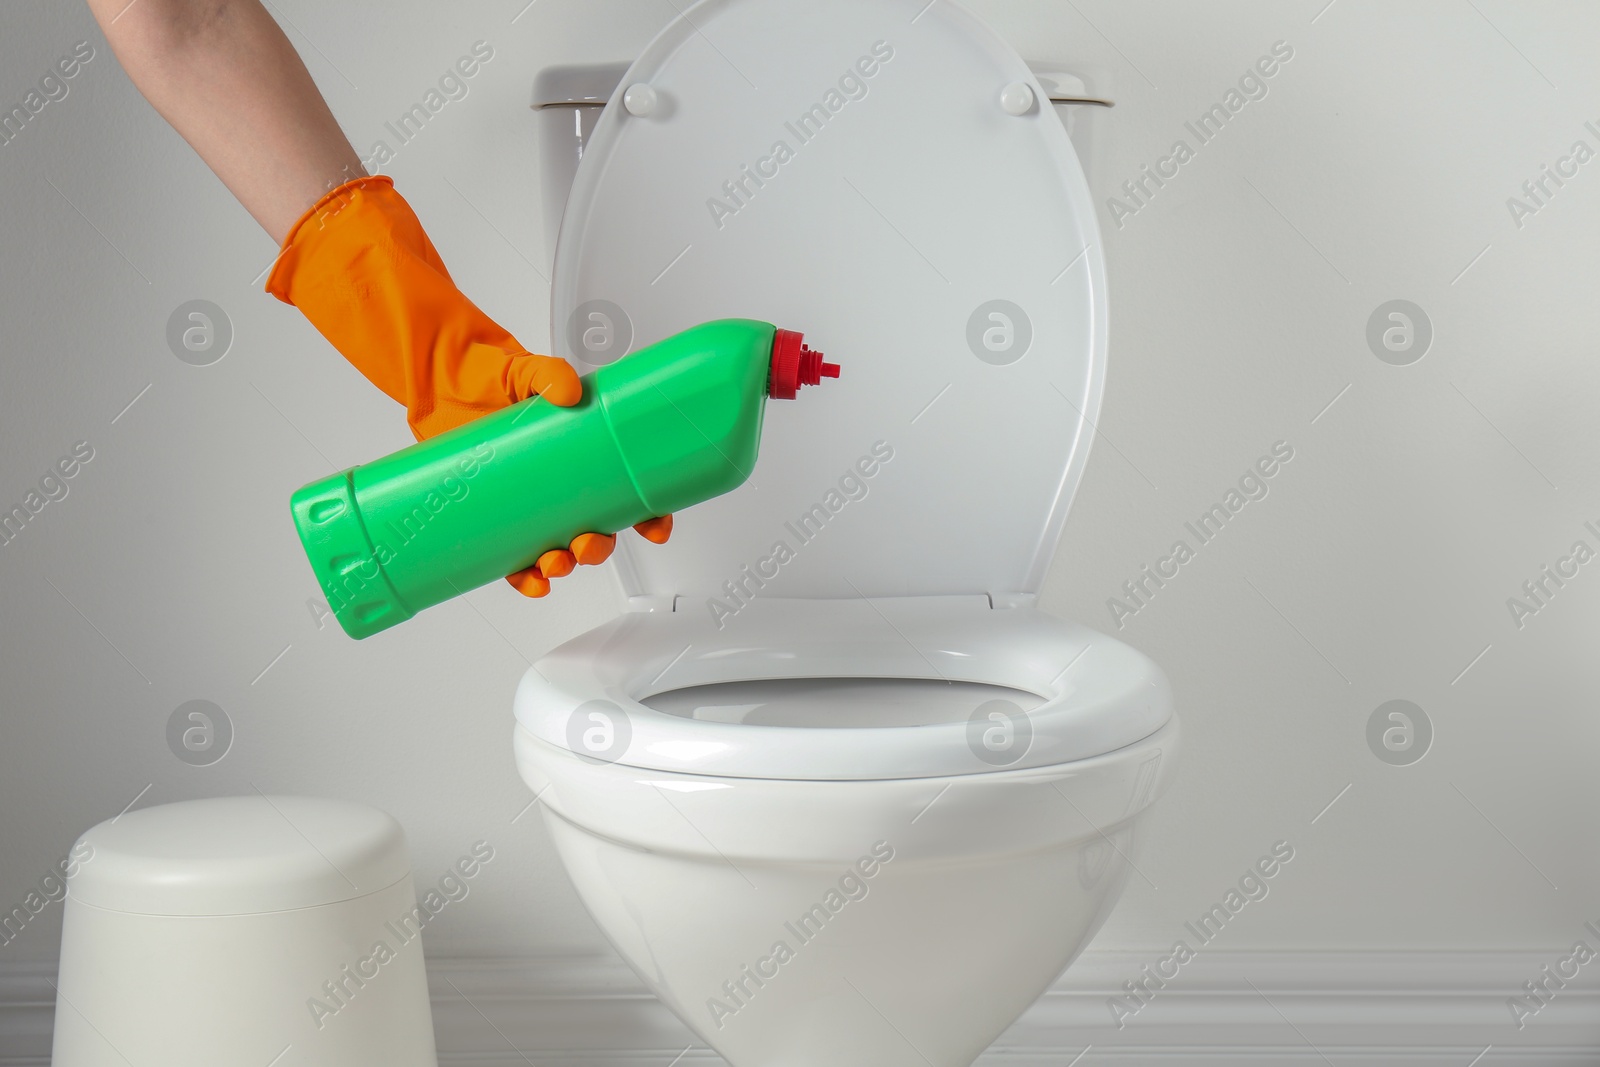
(1098, 694)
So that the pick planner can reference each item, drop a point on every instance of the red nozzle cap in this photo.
(794, 365)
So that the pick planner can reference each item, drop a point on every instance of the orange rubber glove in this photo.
(360, 268)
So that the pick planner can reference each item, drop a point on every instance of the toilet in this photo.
(832, 784)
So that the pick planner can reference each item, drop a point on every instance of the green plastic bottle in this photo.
(672, 425)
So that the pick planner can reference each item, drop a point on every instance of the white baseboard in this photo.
(1313, 1009)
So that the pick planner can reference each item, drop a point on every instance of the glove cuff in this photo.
(304, 236)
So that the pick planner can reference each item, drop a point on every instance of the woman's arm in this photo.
(227, 79)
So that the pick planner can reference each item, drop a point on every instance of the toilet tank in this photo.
(567, 101)
(1081, 97)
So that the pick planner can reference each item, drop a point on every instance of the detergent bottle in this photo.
(670, 426)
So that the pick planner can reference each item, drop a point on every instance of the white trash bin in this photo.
(243, 930)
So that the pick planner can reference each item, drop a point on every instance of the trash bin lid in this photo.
(238, 855)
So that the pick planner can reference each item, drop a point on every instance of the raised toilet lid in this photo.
(852, 169)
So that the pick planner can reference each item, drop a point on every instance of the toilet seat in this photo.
(1098, 695)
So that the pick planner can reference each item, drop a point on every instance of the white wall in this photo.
(1377, 167)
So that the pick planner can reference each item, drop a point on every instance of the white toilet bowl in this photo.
(833, 785)
(893, 891)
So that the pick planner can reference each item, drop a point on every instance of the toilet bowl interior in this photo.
(837, 703)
